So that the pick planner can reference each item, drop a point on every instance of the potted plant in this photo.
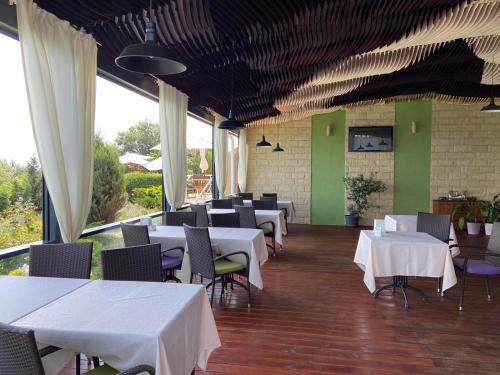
(491, 213)
(359, 188)
(469, 218)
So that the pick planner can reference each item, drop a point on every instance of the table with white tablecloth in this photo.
(403, 254)
(227, 240)
(290, 208)
(276, 216)
(408, 223)
(168, 326)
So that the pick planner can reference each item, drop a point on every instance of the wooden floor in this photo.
(315, 316)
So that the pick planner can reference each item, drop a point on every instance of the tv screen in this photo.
(370, 139)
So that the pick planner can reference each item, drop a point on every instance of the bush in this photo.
(149, 197)
(141, 180)
(108, 195)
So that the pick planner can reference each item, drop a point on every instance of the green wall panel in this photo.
(412, 157)
(327, 169)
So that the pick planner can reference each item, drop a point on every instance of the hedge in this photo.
(136, 180)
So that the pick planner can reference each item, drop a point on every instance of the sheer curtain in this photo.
(220, 154)
(242, 160)
(60, 66)
(173, 118)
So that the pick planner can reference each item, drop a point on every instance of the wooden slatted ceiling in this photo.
(292, 58)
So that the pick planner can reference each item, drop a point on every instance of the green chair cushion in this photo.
(266, 230)
(103, 370)
(226, 266)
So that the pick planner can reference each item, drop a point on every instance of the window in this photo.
(198, 161)
(20, 174)
(127, 170)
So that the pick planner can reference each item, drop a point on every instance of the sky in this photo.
(116, 108)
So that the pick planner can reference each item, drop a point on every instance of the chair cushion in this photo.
(480, 267)
(169, 262)
(226, 266)
(267, 230)
(103, 370)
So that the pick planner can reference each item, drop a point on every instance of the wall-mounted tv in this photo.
(370, 139)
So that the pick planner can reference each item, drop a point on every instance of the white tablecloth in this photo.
(408, 223)
(281, 204)
(20, 296)
(227, 240)
(403, 254)
(168, 326)
(276, 216)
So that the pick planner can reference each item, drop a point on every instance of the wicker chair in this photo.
(218, 269)
(237, 201)
(248, 220)
(138, 263)
(488, 266)
(71, 260)
(246, 196)
(263, 204)
(137, 235)
(270, 195)
(438, 226)
(229, 220)
(201, 214)
(19, 355)
(222, 203)
(179, 218)
(274, 198)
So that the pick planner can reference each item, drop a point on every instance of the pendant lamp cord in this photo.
(150, 10)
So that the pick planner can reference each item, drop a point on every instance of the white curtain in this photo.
(242, 160)
(173, 118)
(60, 66)
(220, 154)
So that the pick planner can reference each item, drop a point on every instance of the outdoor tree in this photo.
(140, 138)
(33, 189)
(108, 195)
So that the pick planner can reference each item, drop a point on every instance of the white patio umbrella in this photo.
(133, 158)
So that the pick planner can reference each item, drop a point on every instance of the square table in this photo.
(168, 326)
(408, 223)
(20, 295)
(227, 240)
(276, 216)
(403, 254)
(290, 208)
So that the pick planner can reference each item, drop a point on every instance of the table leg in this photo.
(401, 282)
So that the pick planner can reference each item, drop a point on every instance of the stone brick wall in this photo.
(380, 163)
(465, 150)
(287, 173)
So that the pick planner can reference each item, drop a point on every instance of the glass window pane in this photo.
(198, 160)
(20, 174)
(127, 170)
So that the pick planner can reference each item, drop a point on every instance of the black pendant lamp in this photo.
(149, 57)
(278, 148)
(263, 143)
(231, 122)
(492, 106)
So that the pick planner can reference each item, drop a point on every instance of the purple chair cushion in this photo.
(480, 267)
(169, 262)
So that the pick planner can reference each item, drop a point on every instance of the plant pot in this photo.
(473, 229)
(488, 228)
(351, 220)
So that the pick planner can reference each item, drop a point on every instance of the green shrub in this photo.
(108, 195)
(17, 272)
(4, 197)
(141, 180)
(149, 197)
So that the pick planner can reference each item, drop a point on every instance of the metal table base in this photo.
(400, 282)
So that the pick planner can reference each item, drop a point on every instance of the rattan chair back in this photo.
(201, 214)
(246, 196)
(179, 218)
(437, 225)
(228, 220)
(222, 203)
(247, 217)
(200, 251)
(69, 260)
(135, 235)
